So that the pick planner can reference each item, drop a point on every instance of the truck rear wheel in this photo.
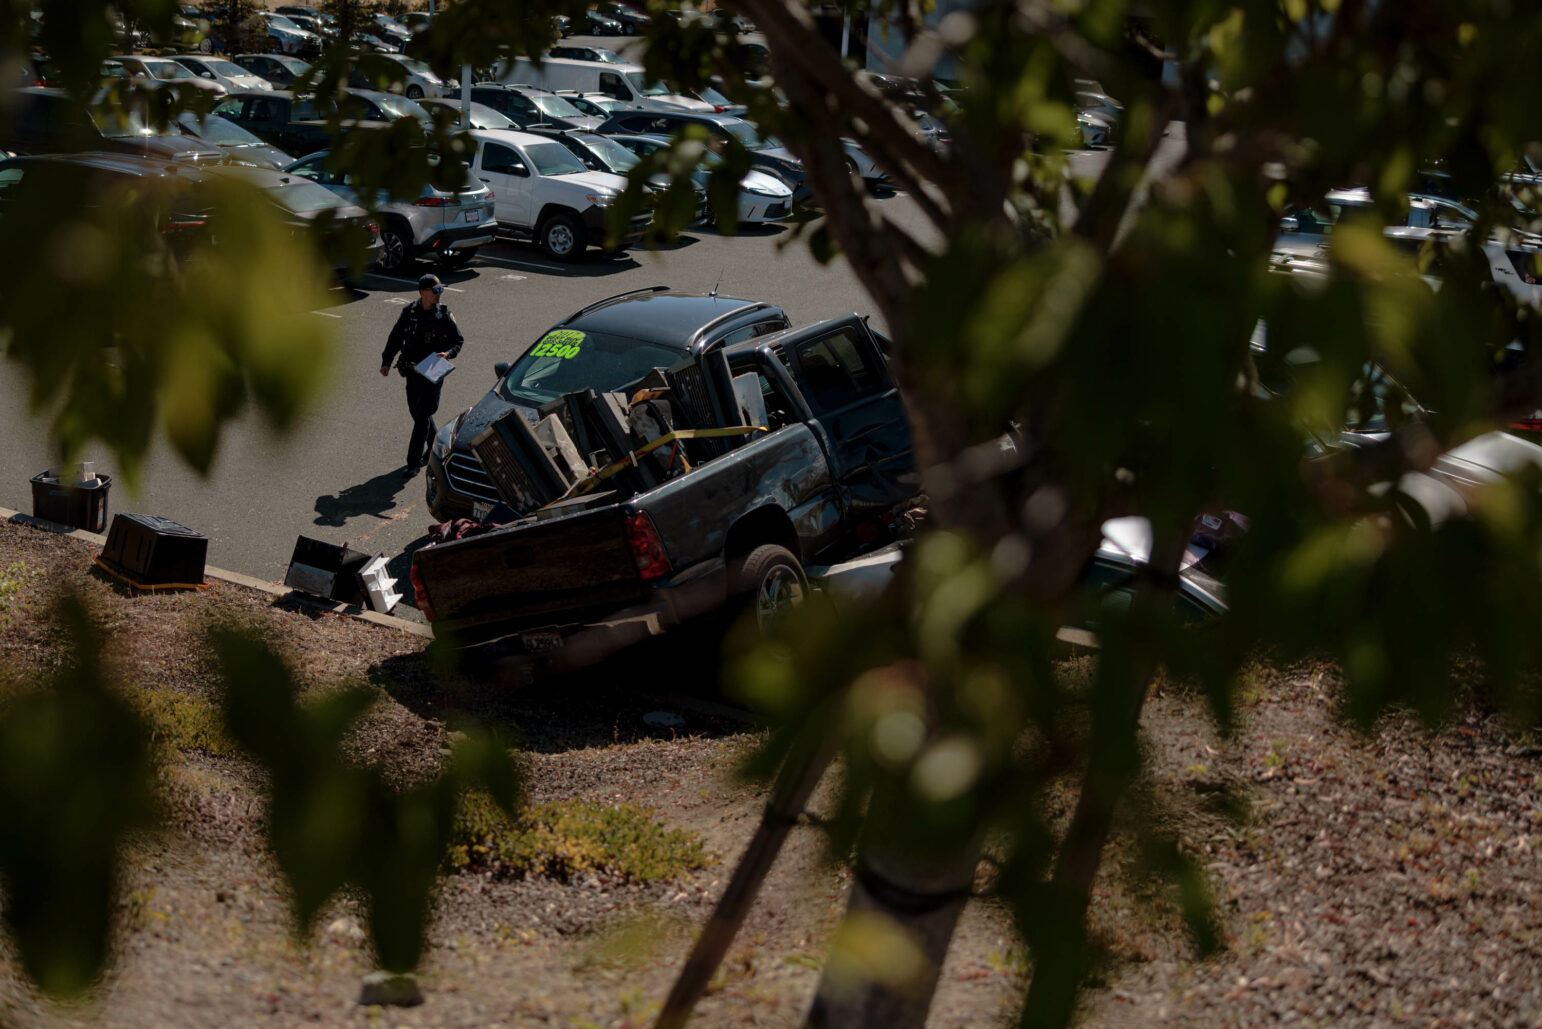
(769, 580)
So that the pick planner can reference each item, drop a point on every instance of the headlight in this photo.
(444, 440)
(602, 199)
(758, 191)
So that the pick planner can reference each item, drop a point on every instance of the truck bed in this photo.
(533, 574)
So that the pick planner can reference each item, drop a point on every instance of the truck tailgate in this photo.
(540, 573)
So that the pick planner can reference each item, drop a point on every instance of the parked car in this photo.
(163, 70)
(625, 82)
(482, 116)
(526, 106)
(600, 153)
(632, 21)
(46, 120)
(542, 191)
(420, 80)
(597, 24)
(389, 31)
(373, 105)
(284, 36)
(189, 217)
(230, 76)
(792, 479)
(447, 224)
(574, 52)
(634, 331)
(762, 197)
(304, 10)
(280, 70)
(337, 224)
(416, 21)
(291, 123)
(240, 146)
(767, 155)
(176, 214)
(596, 105)
(720, 103)
(1427, 222)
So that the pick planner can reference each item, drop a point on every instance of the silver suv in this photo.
(448, 225)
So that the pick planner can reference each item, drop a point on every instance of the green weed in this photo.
(561, 840)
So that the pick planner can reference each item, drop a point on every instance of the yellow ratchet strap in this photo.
(583, 486)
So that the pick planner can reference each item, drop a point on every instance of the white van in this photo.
(625, 82)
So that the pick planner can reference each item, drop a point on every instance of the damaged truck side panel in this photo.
(568, 582)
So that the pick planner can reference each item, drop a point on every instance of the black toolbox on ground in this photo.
(155, 551)
(80, 507)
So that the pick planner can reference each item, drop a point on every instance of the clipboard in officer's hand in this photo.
(433, 368)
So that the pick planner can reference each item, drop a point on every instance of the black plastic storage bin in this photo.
(155, 551)
(327, 570)
(79, 507)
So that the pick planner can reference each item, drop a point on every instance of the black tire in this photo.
(768, 582)
(414, 92)
(395, 248)
(206, 45)
(562, 238)
(457, 258)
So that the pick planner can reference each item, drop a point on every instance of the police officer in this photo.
(426, 327)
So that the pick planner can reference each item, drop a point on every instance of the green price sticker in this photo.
(559, 343)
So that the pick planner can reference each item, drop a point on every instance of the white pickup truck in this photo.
(541, 191)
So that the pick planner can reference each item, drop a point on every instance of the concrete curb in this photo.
(235, 578)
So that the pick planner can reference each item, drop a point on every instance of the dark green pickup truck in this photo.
(769, 453)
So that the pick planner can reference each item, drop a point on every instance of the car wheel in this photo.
(562, 238)
(414, 92)
(395, 249)
(206, 45)
(457, 258)
(768, 581)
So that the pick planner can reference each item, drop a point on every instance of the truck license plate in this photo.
(473, 216)
(541, 642)
(480, 509)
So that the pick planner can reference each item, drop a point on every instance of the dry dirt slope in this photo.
(1380, 881)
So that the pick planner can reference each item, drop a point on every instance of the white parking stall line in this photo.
(512, 278)
(452, 289)
(327, 314)
(530, 265)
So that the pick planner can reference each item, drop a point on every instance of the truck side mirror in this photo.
(501, 369)
(1290, 223)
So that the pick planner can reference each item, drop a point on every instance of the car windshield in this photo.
(168, 70)
(571, 360)
(712, 96)
(293, 64)
(553, 159)
(400, 107)
(611, 154)
(643, 86)
(555, 106)
(115, 122)
(282, 22)
(745, 133)
(225, 68)
(302, 197)
(216, 130)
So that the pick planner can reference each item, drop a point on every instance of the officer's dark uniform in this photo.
(418, 333)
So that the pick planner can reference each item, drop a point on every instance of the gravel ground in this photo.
(204, 935)
(1375, 879)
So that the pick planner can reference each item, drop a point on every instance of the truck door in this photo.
(504, 170)
(846, 383)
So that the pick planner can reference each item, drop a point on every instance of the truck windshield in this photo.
(567, 360)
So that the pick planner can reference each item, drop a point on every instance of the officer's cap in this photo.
(432, 282)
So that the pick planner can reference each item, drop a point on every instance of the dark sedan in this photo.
(49, 121)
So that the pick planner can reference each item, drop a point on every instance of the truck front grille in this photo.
(469, 478)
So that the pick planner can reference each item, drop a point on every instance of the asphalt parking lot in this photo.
(337, 476)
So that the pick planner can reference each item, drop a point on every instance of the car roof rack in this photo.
(608, 300)
(752, 305)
